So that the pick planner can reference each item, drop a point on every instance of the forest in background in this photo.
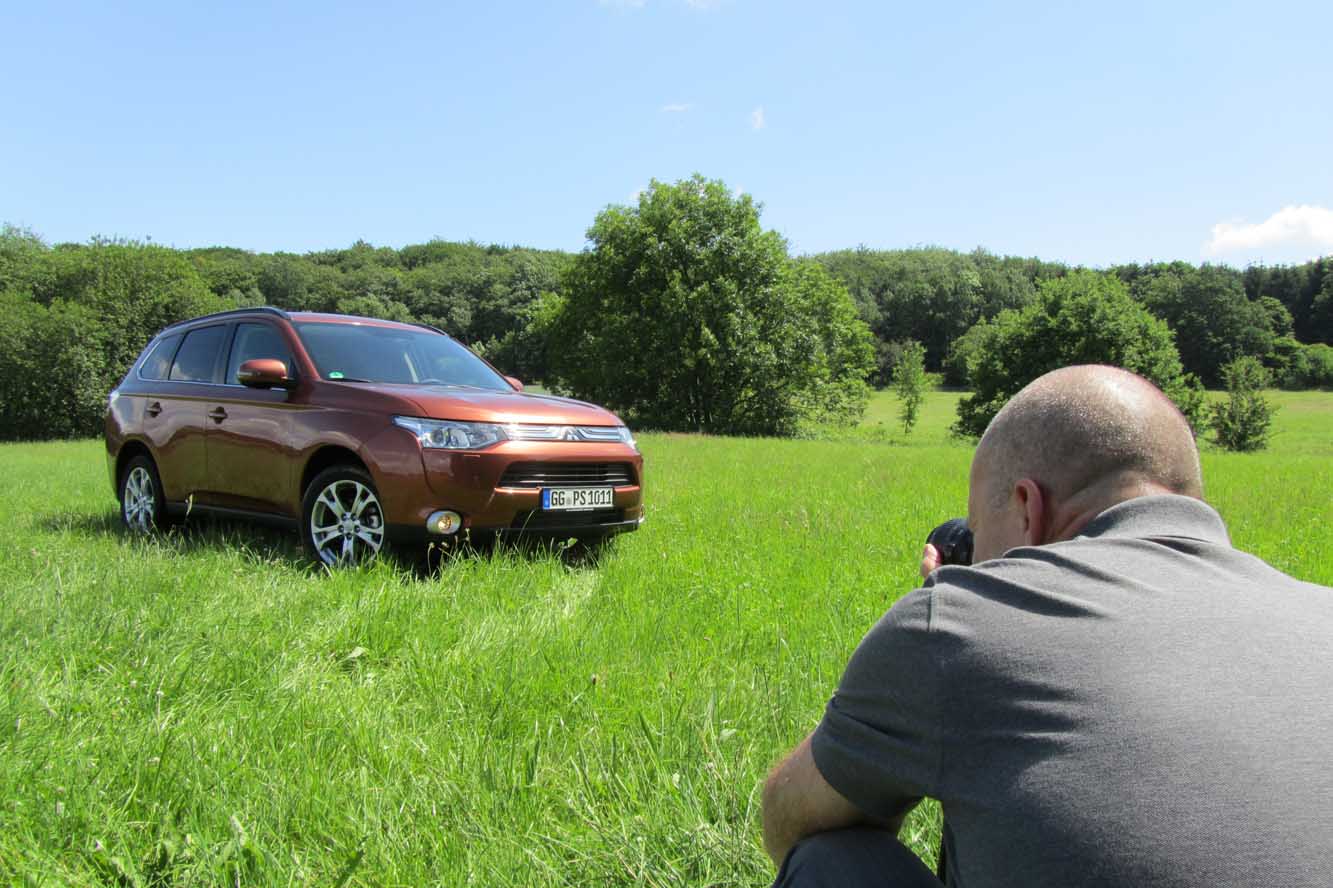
(76, 315)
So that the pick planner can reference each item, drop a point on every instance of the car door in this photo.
(251, 461)
(175, 415)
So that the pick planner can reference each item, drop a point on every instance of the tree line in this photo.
(682, 312)
(935, 296)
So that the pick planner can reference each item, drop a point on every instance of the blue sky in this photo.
(1089, 133)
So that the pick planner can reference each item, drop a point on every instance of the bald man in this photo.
(1110, 695)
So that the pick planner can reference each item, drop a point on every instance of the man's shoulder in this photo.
(1060, 591)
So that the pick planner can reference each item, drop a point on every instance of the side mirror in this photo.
(513, 380)
(264, 373)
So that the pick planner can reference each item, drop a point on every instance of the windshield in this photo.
(362, 353)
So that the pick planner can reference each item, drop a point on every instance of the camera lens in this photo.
(953, 540)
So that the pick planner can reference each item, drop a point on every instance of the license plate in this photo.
(556, 499)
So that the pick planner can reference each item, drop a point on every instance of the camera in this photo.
(953, 540)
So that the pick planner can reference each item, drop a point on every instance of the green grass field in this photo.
(203, 709)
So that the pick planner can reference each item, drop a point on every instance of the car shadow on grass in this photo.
(198, 535)
(206, 534)
(103, 524)
(573, 553)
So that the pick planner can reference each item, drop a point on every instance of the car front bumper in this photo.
(499, 490)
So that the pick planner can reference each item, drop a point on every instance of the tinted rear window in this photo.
(198, 355)
(158, 363)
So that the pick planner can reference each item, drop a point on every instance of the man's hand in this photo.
(930, 559)
(798, 802)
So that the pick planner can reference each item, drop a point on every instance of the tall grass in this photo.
(204, 709)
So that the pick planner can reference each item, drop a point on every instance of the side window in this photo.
(257, 341)
(158, 363)
(198, 355)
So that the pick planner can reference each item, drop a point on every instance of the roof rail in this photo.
(428, 327)
(268, 309)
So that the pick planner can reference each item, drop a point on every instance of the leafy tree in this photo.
(1297, 287)
(230, 273)
(1242, 421)
(135, 290)
(284, 280)
(373, 282)
(1085, 318)
(375, 307)
(1213, 320)
(54, 373)
(834, 349)
(526, 350)
(1320, 324)
(962, 351)
(1310, 366)
(931, 294)
(25, 265)
(434, 295)
(75, 335)
(685, 314)
(909, 382)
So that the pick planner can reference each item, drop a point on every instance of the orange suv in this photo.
(358, 432)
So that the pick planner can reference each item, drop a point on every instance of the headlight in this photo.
(444, 434)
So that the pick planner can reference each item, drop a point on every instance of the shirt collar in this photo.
(1166, 515)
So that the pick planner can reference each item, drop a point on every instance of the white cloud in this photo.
(676, 108)
(1294, 225)
(757, 118)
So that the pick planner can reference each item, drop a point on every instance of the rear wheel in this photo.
(142, 506)
(342, 521)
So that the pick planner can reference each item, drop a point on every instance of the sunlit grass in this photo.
(204, 709)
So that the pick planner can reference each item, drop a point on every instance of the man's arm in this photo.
(798, 802)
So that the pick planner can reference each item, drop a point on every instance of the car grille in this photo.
(604, 434)
(550, 474)
(539, 520)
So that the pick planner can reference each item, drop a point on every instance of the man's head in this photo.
(1070, 445)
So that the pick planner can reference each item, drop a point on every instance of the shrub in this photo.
(1242, 421)
(1084, 318)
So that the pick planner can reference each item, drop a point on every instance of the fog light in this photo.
(444, 523)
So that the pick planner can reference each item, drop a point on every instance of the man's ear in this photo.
(1033, 506)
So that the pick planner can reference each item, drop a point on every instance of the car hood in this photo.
(480, 405)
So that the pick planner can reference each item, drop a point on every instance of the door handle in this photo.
(217, 414)
(154, 408)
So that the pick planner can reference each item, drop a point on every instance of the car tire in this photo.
(342, 520)
(143, 508)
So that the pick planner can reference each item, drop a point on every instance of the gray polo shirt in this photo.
(1142, 705)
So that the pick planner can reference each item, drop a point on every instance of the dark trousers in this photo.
(850, 858)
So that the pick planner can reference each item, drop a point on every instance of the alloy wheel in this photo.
(346, 523)
(140, 500)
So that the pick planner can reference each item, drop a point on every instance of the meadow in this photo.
(203, 708)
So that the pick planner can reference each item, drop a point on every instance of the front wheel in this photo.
(142, 506)
(342, 522)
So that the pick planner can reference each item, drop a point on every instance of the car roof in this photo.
(315, 317)
(318, 317)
